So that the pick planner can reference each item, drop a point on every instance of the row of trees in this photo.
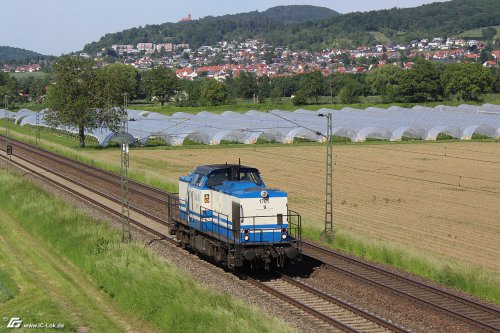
(426, 81)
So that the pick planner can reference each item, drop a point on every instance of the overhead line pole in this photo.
(8, 145)
(327, 233)
(125, 217)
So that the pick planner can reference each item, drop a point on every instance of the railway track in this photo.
(332, 311)
(481, 316)
(478, 315)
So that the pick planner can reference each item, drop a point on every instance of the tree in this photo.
(161, 83)
(8, 86)
(489, 33)
(300, 98)
(246, 85)
(264, 88)
(350, 93)
(72, 98)
(313, 84)
(381, 79)
(214, 92)
(114, 80)
(466, 81)
(419, 84)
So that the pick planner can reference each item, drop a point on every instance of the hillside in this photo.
(8, 54)
(210, 30)
(312, 27)
(440, 19)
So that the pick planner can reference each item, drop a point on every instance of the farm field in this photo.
(441, 199)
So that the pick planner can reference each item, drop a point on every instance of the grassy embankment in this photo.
(81, 274)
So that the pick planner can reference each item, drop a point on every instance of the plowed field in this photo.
(437, 198)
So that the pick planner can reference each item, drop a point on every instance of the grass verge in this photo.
(473, 280)
(8, 288)
(131, 276)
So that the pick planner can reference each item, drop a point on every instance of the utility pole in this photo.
(327, 233)
(125, 217)
(8, 144)
(37, 134)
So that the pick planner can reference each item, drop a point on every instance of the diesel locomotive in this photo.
(226, 212)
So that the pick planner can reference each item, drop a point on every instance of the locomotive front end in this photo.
(228, 213)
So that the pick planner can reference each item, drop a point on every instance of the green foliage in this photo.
(210, 30)
(161, 83)
(246, 85)
(22, 56)
(420, 84)
(300, 98)
(313, 84)
(8, 86)
(488, 33)
(307, 27)
(380, 79)
(214, 92)
(466, 81)
(116, 79)
(349, 94)
(8, 288)
(74, 98)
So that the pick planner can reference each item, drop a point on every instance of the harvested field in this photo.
(437, 198)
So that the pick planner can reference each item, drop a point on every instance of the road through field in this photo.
(436, 198)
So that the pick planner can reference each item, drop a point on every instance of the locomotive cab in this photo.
(227, 212)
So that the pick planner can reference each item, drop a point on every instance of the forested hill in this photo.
(439, 19)
(210, 30)
(312, 27)
(8, 54)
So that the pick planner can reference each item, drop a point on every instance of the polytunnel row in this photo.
(394, 123)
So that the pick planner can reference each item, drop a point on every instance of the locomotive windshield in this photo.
(218, 177)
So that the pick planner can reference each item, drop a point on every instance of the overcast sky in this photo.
(53, 27)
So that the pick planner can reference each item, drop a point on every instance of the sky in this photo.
(54, 27)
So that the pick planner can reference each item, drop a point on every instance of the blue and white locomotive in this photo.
(226, 212)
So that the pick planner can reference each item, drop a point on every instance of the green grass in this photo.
(24, 76)
(473, 280)
(478, 33)
(131, 275)
(8, 288)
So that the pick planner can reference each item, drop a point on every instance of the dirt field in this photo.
(438, 198)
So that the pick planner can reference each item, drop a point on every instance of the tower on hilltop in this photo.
(186, 19)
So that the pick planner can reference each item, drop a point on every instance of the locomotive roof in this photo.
(208, 169)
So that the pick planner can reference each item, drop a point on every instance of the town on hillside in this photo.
(228, 58)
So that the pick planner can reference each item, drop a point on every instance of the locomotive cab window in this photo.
(217, 178)
(251, 176)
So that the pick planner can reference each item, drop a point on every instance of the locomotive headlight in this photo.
(283, 236)
(263, 194)
(283, 233)
(247, 236)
